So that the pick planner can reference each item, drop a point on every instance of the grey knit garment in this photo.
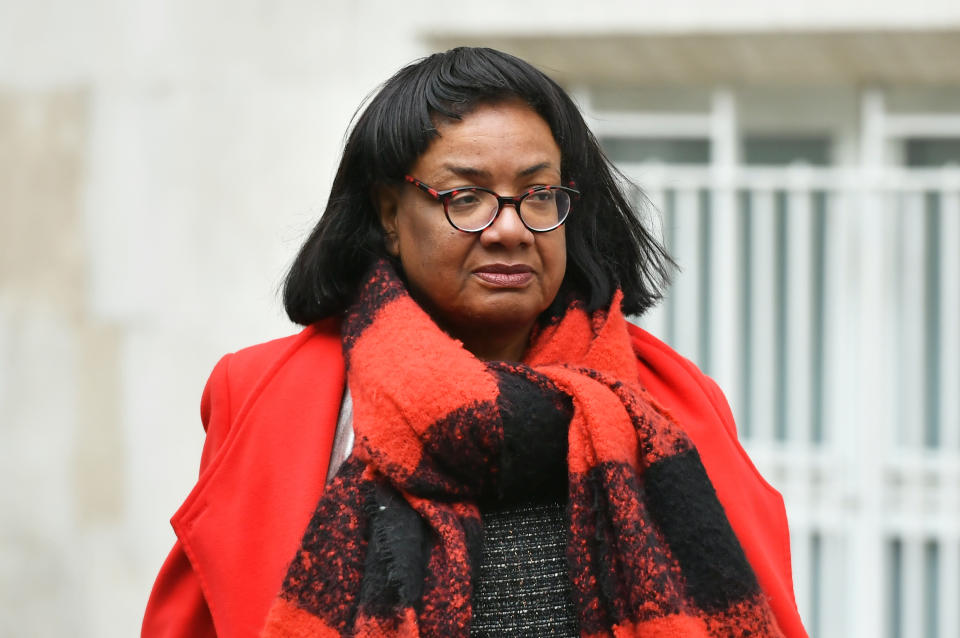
(523, 587)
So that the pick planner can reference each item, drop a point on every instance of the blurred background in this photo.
(161, 162)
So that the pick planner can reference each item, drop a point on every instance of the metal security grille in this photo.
(826, 303)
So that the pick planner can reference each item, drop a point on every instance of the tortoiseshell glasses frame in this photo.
(472, 209)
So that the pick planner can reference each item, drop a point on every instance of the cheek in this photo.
(555, 258)
(430, 253)
(414, 237)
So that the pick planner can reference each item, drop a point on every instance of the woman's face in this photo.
(484, 288)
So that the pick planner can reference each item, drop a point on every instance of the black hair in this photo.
(607, 244)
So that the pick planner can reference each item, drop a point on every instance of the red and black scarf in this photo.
(392, 547)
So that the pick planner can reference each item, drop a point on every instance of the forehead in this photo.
(492, 138)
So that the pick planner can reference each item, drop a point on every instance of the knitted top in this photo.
(522, 588)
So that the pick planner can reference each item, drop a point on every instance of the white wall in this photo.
(188, 149)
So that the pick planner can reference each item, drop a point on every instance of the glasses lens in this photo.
(471, 210)
(545, 209)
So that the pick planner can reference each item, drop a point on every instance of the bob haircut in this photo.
(607, 245)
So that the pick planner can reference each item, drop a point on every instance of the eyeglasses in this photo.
(474, 208)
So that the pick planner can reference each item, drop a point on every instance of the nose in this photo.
(507, 229)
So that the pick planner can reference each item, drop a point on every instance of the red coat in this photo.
(270, 413)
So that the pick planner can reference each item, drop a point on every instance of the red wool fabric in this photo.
(391, 546)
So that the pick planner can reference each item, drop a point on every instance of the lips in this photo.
(505, 275)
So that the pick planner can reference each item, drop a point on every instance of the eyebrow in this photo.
(469, 171)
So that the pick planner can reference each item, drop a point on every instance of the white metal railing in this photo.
(826, 302)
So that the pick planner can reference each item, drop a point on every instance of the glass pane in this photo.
(775, 150)
(895, 588)
(666, 150)
(931, 561)
(931, 152)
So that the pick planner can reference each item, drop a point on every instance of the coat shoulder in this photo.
(674, 379)
(248, 367)
(261, 356)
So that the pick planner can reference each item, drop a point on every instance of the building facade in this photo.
(162, 161)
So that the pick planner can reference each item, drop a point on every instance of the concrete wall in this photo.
(159, 166)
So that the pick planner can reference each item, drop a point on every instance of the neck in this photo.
(495, 345)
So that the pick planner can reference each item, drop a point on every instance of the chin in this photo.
(502, 318)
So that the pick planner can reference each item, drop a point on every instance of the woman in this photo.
(468, 438)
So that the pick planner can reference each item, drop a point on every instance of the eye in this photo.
(545, 195)
(463, 200)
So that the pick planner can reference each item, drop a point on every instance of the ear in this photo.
(387, 200)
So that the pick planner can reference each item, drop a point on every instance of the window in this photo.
(626, 150)
(779, 150)
(929, 152)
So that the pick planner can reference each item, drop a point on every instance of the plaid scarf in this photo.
(392, 547)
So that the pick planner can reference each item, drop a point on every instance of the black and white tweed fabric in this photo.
(523, 586)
